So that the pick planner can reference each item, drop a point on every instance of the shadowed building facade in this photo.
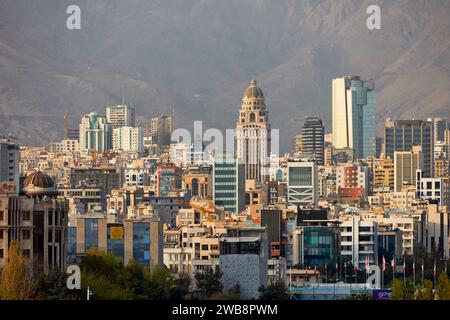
(38, 220)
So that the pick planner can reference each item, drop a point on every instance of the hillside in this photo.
(197, 57)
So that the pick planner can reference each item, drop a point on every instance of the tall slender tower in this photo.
(353, 113)
(253, 134)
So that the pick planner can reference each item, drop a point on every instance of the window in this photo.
(26, 234)
(204, 247)
(1, 253)
(26, 216)
(1, 215)
(1, 234)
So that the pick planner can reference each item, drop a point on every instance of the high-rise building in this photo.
(302, 181)
(161, 130)
(228, 184)
(95, 133)
(406, 164)
(313, 133)
(9, 161)
(253, 134)
(447, 144)
(37, 219)
(120, 116)
(128, 139)
(403, 135)
(353, 115)
(439, 127)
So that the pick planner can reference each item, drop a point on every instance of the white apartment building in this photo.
(129, 139)
(136, 177)
(407, 224)
(436, 234)
(432, 189)
(358, 240)
(120, 116)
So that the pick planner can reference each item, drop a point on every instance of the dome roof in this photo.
(38, 183)
(253, 91)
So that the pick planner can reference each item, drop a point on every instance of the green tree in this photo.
(54, 287)
(209, 282)
(426, 291)
(104, 274)
(274, 291)
(181, 290)
(16, 281)
(443, 287)
(163, 284)
(108, 278)
(233, 294)
(400, 291)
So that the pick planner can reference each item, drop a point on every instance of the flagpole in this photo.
(414, 272)
(393, 268)
(422, 271)
(404, 270)
(434, 274)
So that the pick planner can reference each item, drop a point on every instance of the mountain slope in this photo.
(197, 57)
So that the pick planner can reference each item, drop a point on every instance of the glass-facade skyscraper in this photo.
(229, 184)
(403, 135)
(353, 115)
(313, 135)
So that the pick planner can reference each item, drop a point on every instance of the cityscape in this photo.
(126, 204)
(315, 223)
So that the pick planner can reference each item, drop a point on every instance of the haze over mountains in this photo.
(196, 57)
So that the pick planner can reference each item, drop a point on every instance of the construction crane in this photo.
(209, 208)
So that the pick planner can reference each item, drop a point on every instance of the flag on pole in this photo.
(393, 263)
(337, 268)
(384, 264)
(404, 266)
(434, 269)
(367, 263)
(414, 267)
